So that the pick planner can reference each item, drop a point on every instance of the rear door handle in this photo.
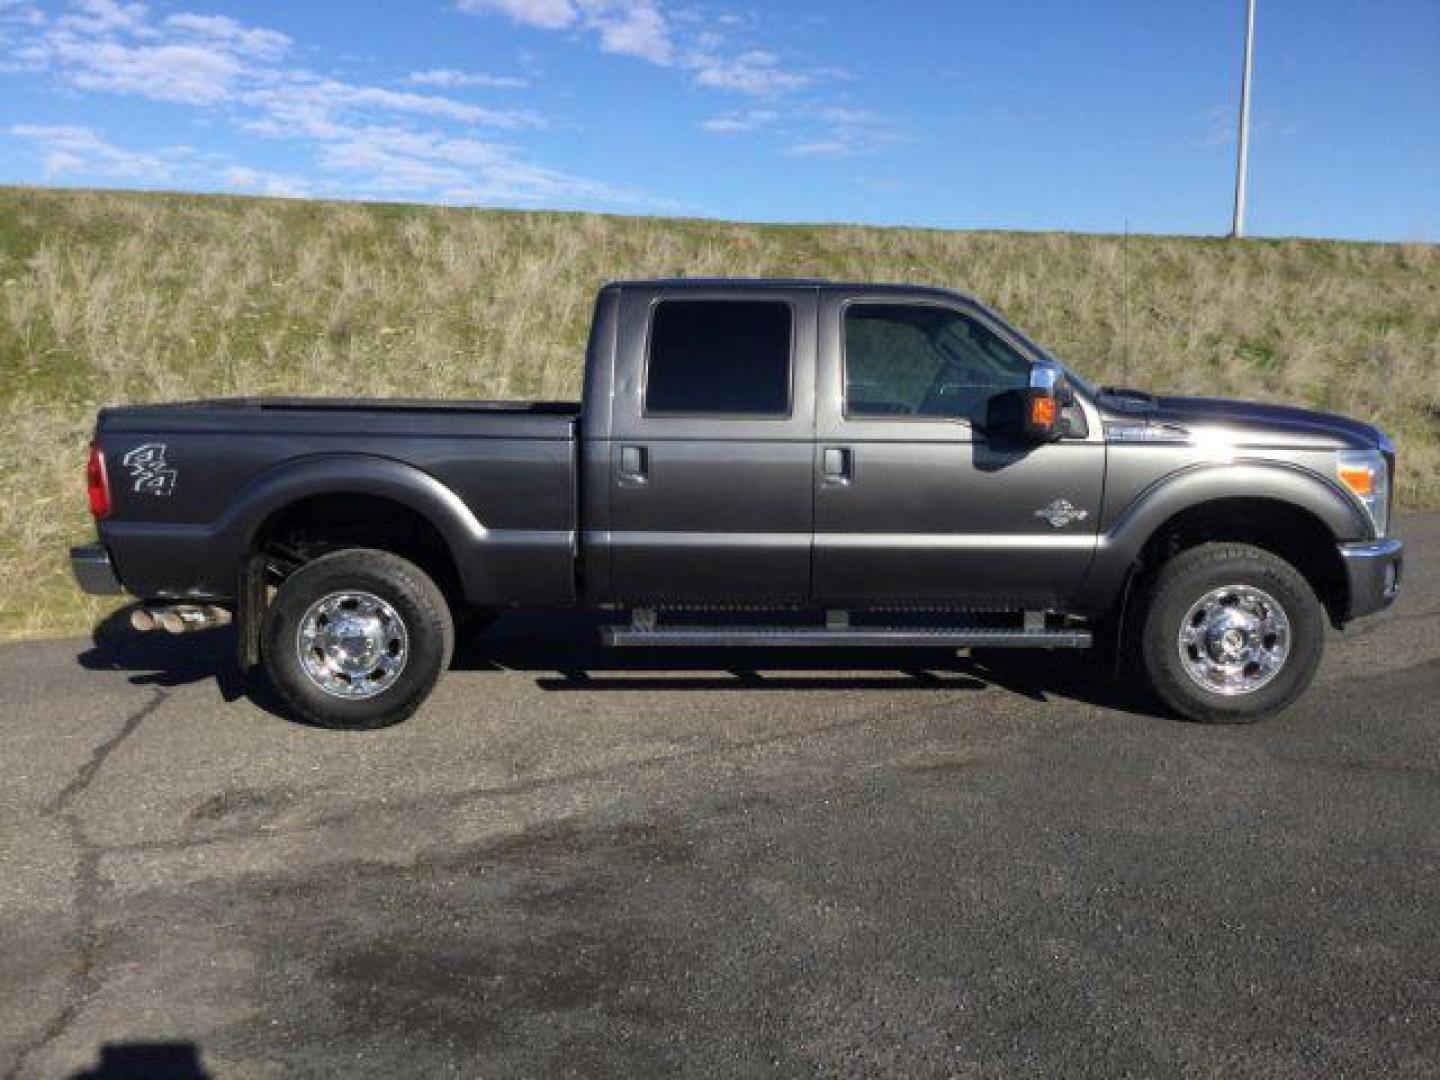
(634, 465)
(836, 465)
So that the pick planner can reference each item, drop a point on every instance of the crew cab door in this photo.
(913, 503)
(712, 446)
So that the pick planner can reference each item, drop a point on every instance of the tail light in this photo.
(97, 483)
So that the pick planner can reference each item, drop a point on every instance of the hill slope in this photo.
(111, 297)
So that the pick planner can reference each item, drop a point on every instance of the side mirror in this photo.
(1035, 412)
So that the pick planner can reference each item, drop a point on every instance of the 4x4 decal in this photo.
(152, 475)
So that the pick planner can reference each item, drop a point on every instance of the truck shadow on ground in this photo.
(563, 652)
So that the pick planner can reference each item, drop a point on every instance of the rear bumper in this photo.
(93, 570)
(1372, 571)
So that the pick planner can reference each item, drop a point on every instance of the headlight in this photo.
(1365, 475)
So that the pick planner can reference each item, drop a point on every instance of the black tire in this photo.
(1181, 583)
(401, 584)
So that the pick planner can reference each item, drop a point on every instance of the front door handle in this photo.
(634, 465)
(837, 465)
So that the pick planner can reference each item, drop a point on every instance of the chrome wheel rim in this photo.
(352, 644)
(1234, 640)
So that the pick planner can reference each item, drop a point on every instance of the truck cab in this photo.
(808, 444)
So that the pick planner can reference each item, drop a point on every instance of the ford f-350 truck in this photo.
(757, 463)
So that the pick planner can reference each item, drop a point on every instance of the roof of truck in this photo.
(788, 283)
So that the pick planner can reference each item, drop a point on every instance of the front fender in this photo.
(1304, 489)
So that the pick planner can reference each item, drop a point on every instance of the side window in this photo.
(924, 361)
(719, 356)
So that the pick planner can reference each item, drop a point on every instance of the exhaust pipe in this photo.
(179, 618)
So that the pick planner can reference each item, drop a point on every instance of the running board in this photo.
(846, 637)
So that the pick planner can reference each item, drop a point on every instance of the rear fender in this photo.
(210, 558)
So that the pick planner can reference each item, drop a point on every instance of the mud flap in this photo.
(250, 613)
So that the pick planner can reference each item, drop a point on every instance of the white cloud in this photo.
(847, 132)
(626, 27)
(544, 14)
(391, 160)
(631, 28)
(755, 72)
(820, 148)
(231, 35)
(731, 123)
(189, 59)
(450, 78)
(104, 16)
(20, 13)
(363, 139)
(210, 60)
(643, 29)
(69, 150)
(331, 96)
(191, 74)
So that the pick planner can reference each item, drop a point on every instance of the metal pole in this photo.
(1242, 164)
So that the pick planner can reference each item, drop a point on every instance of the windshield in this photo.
(1041, 353)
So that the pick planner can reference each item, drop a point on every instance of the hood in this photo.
(1246, 422)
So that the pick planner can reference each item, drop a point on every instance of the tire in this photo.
(1225, 669)
(401, 621)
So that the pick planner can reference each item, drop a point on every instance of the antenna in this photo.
(1125, 309)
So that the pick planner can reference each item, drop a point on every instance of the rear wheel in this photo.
(357, 639)
(1232, 633)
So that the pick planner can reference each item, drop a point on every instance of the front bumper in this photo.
(1372, 571)
(93, 570)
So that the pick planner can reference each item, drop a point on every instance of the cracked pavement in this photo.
(580, 863)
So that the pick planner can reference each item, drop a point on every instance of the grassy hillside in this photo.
(108, 297)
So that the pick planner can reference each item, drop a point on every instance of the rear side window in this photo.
(719, 356)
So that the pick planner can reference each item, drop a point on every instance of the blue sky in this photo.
(1021, 114)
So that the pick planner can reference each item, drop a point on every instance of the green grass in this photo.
(115, 297)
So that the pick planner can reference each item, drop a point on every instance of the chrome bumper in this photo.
(93, 570)
(1372, 571)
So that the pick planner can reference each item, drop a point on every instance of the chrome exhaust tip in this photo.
(180, 618)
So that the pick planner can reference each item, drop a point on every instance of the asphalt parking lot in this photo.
(573, 863)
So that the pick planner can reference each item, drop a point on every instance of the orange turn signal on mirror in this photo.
(1359, 479)
(1043, 411)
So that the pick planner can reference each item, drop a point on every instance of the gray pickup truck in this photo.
(757, 463)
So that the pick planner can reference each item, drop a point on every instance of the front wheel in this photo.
(357, 639)
(1232, 633)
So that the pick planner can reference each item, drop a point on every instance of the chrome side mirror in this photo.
(1034, 413)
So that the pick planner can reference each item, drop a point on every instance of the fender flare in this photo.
(1302, 489)
(283, 485)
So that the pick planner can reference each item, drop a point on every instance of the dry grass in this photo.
(108, 297)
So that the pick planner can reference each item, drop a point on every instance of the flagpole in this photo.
(1242, 163)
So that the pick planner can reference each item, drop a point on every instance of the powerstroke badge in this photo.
(1062, 512)
(150, 472)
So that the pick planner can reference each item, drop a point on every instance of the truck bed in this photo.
(194, 483)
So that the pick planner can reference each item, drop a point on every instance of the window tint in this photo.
(924, 361)
(719, 356)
